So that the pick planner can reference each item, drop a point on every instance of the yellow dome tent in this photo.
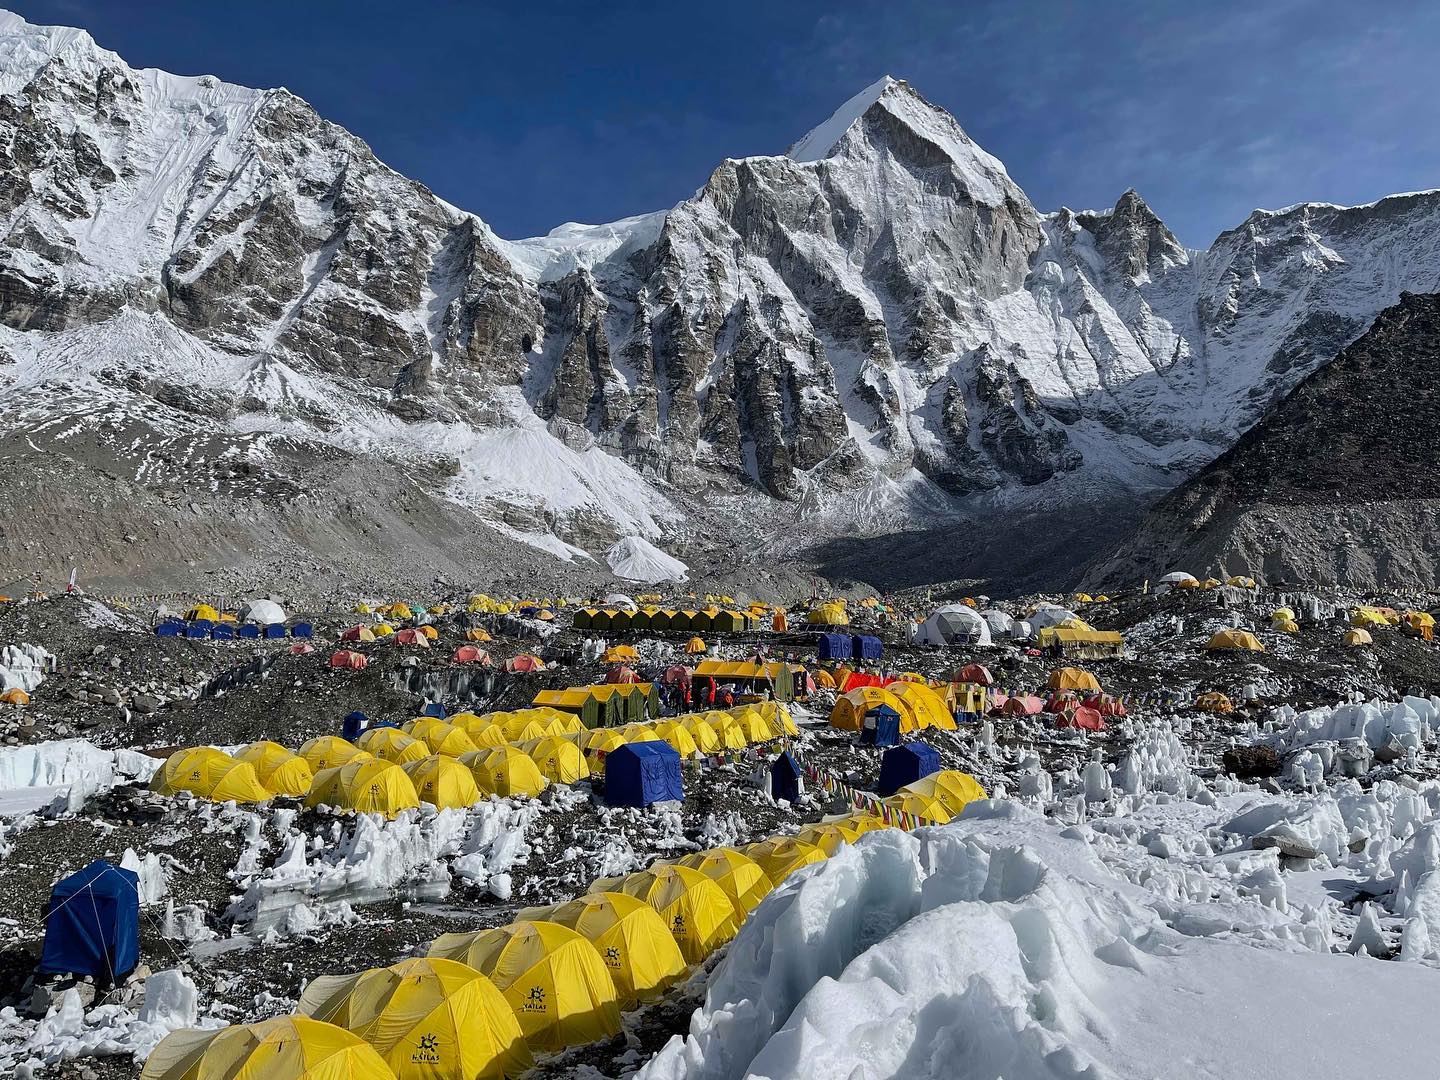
(203, 612)
(441, 736)
(279, 770)
(631, 938)
(211, 774)
(429, 631)
(522, 728)
(371, 786)
(928, 807)
(429, 1018)
(830, 613)
(695, 909)
(679, 738)
(620, 654)
(504, 770)
(1235, 639)
(328, 751)
(707, 739)
(756, 727)
(1212, 701)
(382, 630)
(281, 1048)
(927, 709)
(828, 836)
(442, 782)
(1358, 636)
(476, 633)
(1368, 618)
(695, 646)
(553, 978)
(1073, 678)
(778, 715)
(392, 744)
(729, 731)
(1241, 581)
(639, 732)
(560, 761)
(1285, 626)
(851, 707)
(739, 876)
(781, 856)
(955, 790)
(14, 696)
(823, 679)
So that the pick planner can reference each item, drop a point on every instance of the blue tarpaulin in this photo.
(881, 727)
(903, 765)
(640, 774)
(836, 647)
(867, 647)
(785, 779)
(92, 923)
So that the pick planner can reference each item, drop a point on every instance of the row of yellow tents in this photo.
(450, 764)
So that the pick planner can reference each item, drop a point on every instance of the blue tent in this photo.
(903, 765)
(274, 630)
(640, 774)
(302, 630)
(170, 628)
(881, 727)
(222, 632)
(836, 647)
(352, 725)
(785, 779)
(434, 709)
(92, 923)
(868, 648)
(200, 628)
(248, 630)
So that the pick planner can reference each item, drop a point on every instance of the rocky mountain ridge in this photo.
(877, 333)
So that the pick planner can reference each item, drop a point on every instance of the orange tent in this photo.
(345, 659)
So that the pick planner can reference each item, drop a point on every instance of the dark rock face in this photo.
(1336, 484)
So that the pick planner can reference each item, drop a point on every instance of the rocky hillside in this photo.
(211, 295)
(1339, 483)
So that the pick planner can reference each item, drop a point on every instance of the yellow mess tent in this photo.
(559, 759)
(554, 979)
(1235, 639)
(278, 769)
(632, 939)
(392, 744)
(851, 707)
(830, 613)
(955, 790)
(739, 876)
(370, 786)
(781, 856)
(1358, 636)
(211, 774)
(440, 736)
(443, 782)
(1073, 678)
(694, 908)
(504, 770)
(282, 1048)
(328, 751)
(429, 1018)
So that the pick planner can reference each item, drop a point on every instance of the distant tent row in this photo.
(605, 704)
(661, 620)
(205, 629)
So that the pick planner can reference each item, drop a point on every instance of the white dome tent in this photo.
(953, 624)
(264, 612)
(620, 600)
(1050, 615)
(1001, 624)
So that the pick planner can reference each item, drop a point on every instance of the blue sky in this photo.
(533, 114)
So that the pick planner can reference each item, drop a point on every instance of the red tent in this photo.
(411, 637)
(1022, 705)
(1083, 718)
(1060, 703)
(354, 634)
(472, 654)
(301, 648)
(863, 678)
(976, 673)
(525, 662)
(344, 659)
(1105, 705)
(677, 673)
(621, 675)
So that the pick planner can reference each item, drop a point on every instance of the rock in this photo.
(145, 703)
(1250, 761)
(1288, 846)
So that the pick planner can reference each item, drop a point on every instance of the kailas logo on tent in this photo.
(534, 1001)
(427, 1051)
(678, 922)
(612, 957)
